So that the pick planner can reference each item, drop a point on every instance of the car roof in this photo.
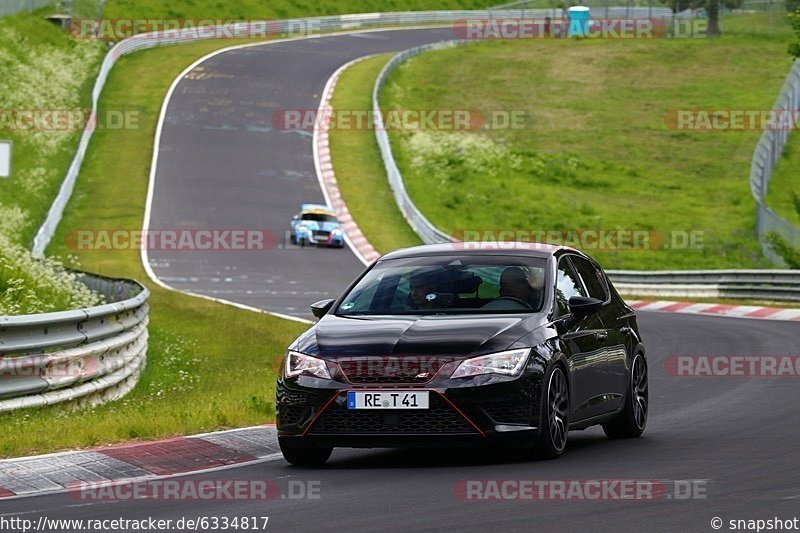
(481, 248)
(317, 208)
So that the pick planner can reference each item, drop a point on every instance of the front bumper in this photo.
(469, 412)
(330, 240)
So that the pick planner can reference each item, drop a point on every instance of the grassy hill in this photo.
(276, 9)
(596, 151)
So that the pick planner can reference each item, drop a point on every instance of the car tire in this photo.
(555, 409)
(304, 454)
(303, 241)
(293, 239)
(632, 420)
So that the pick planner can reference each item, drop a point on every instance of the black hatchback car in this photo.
(465, 344)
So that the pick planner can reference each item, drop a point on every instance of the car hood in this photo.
(334, 336)
(313, 225)
(329, 226)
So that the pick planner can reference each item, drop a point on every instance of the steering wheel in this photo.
(514, 299)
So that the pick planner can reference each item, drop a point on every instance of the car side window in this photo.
(592, 278)
(567, 285)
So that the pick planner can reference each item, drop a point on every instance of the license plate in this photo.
(387, 399)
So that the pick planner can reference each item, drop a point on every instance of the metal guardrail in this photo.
(429, 233)
(92, 355)
(287, 26)
(765, 158)
(773, 285)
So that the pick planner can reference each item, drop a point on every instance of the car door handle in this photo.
(601, 335)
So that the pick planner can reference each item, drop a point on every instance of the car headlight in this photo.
(336, 233)
(508, 363)
(299, 363)
(302, 229)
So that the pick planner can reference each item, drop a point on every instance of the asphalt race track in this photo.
(741, 434)
(222, 166)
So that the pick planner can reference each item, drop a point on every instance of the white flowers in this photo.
(39, 74)
(29, 286)
(442, 152)
(44, 77)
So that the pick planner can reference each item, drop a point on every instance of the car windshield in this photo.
(319, 217)
(449, 285)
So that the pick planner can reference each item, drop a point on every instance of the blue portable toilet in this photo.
(578, 21)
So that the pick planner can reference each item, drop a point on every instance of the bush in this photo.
(790, 255)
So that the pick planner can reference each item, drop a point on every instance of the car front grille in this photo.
(511, 413)
(368, 370)
(440, 418)
(321, 234)
(296, 406)
(293, 414)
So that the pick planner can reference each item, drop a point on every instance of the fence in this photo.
(87, 355)
(10, 7)
(766, 156)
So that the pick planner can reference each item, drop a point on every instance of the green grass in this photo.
(276, 9)
(360, 172)
(595, 152)
(210, 366)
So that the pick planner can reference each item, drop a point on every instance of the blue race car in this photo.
(316, 224)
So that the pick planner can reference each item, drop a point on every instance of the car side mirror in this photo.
(296, 217)
(318, 309)
(584, 306)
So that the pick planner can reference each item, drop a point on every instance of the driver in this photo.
(520, 283)
(424, 288)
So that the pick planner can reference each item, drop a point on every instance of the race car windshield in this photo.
(449, 285)
(319, 217)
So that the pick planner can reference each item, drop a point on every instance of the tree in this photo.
(794, 48)
(711, 7)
